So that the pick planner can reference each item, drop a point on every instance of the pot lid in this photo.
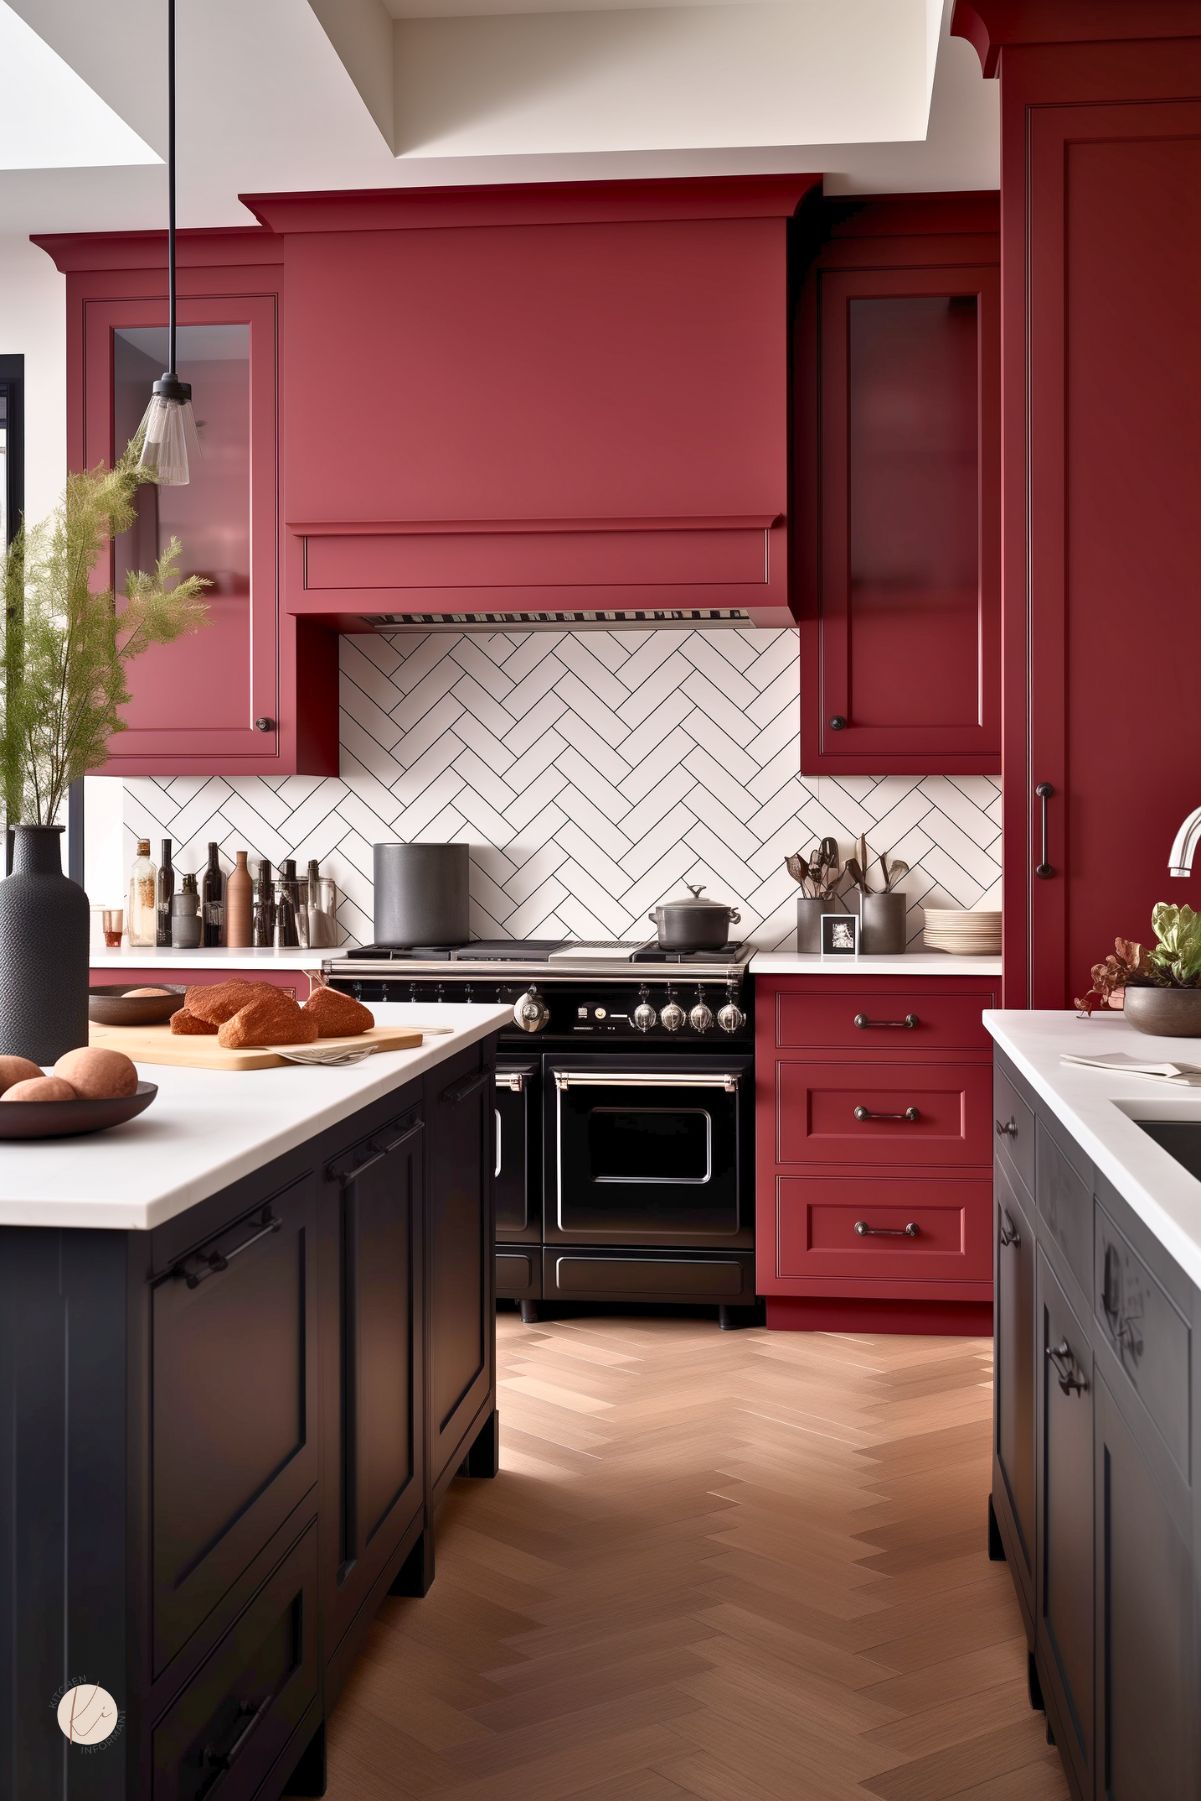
(693, 899)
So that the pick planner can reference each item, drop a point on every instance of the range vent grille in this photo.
(701, 618)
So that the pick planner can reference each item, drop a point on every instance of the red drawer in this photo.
(882, 1111)
(826, 1016)
(911, 1229)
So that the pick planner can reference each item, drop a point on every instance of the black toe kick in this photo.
(725, 1279)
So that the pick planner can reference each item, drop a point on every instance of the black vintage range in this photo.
(624, 1113)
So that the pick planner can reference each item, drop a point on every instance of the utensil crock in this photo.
(809, 911)
(882, 920)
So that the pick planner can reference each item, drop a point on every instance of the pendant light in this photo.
(168, 428)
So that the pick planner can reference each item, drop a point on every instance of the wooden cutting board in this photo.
(158, 1044)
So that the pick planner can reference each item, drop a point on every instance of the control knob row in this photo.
(730, 1018)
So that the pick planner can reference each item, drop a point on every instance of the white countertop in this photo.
(910, 963)
(208, 1127)
(222, 958)
(1100, 1107)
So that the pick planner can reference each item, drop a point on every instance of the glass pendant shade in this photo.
(168, 433)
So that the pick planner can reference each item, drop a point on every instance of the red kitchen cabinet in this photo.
(873, 1144)
(1101, 247)
(897, 469)
(250, 693)
(545, 398)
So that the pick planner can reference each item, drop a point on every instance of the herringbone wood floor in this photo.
(740, 1566)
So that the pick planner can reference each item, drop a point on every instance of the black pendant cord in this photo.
(171, 370)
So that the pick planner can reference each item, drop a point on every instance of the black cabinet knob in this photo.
(838, 723)
(263, 724)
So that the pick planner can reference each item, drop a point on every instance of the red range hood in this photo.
(489, 420)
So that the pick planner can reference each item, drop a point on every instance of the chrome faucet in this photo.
(1184, 845)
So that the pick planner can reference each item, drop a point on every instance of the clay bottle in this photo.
(238, 903)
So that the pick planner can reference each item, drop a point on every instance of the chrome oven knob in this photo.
(531, 1011)
(672, 1017)
(731, 1018)
(701, 1018)
(644, 1016)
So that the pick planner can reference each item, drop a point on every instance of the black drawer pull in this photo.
(251, 1712)
(460, 1091)
(865, 1024)
(838, 723)
(910, 1115)
(1009, 1233)
(215, 1261)
(866, 1231)
(1006, 1128)
(1071, 1377)
(379, 1152)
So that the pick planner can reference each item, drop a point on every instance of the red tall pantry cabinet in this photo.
(1101, 469)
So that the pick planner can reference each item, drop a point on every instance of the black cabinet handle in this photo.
(1071, 1377)
(264, 724)
(1006, 1128)
(379, 1152)
(1009, 1233)
(838, 723)
(459, 1091)
(220, 1761)
(1043, 869)
(909, 1116)
(213, 1262)
(866, 1231)
(864, 1024)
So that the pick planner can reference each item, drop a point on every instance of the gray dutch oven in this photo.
(693, 924)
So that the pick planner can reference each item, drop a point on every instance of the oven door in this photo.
(518, 1152)
(644, 1149)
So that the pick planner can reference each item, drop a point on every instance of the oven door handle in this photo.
(579, 1078)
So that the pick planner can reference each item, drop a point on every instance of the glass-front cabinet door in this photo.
(208, 701)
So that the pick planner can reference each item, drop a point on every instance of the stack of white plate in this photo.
(964, 931)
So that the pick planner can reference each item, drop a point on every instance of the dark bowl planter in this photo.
(1167, 1012)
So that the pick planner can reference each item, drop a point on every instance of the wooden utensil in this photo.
(855, 872)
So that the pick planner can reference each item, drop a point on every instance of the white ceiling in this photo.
(49, 117)
(285, 95)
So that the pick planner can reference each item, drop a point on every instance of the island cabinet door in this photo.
(1064, 1573)
(233, 1382)
(1014, 1384)
(1147, 1616)
(460, 1238)
(371, 1275)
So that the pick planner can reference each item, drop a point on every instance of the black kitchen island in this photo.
(226, 1426)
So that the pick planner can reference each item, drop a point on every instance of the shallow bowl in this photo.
(69, 1119)
(112, 1006)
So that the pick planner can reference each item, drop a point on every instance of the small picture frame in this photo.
(840, 934)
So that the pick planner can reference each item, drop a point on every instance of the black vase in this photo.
(44, 926)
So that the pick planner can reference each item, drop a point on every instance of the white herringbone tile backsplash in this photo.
(594, 773)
